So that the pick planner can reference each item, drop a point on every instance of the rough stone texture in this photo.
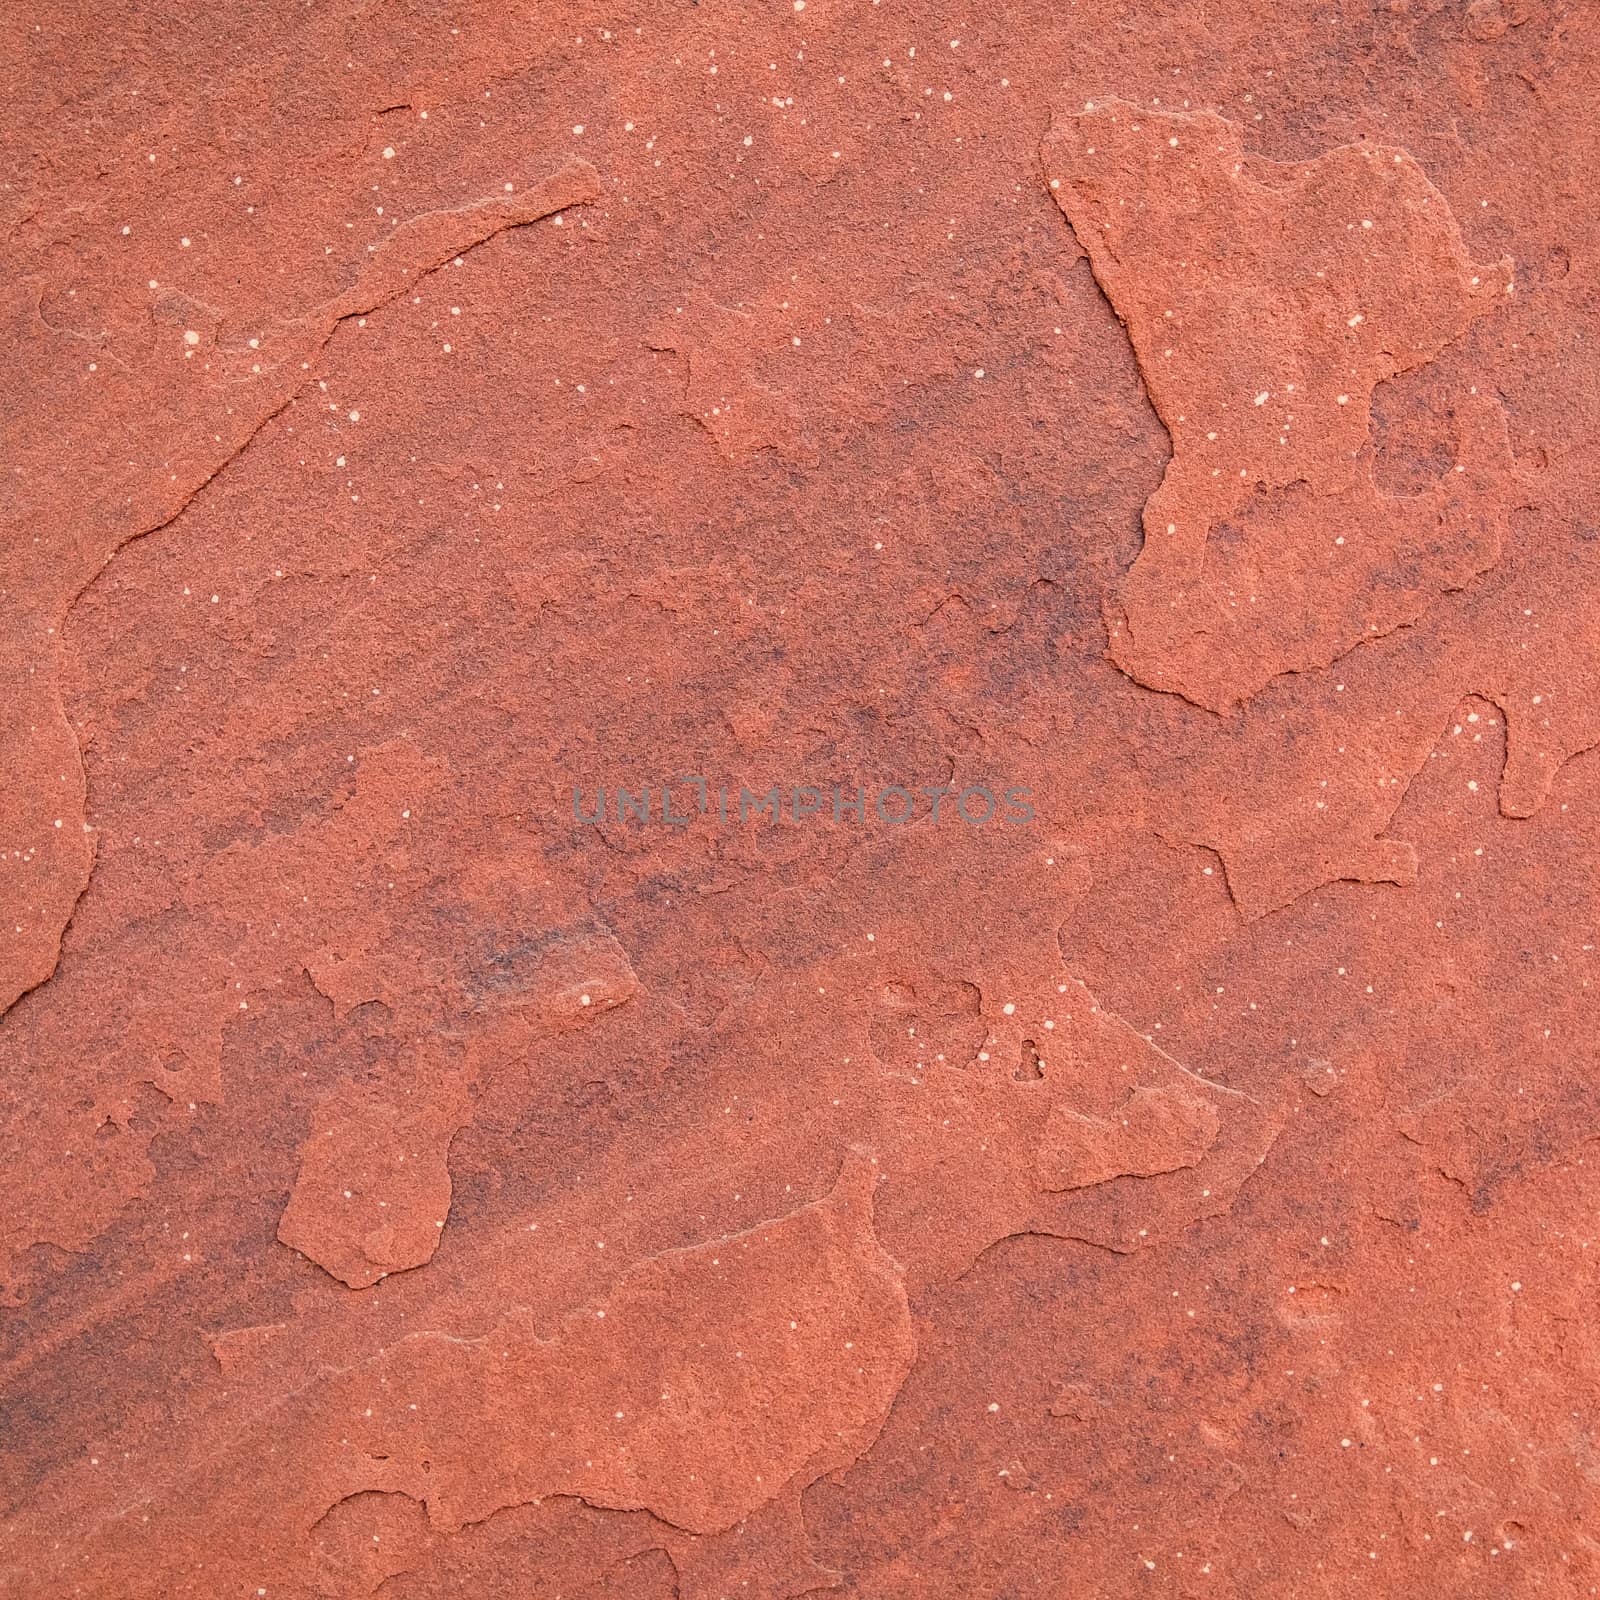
(1265, 302)
(421, 420)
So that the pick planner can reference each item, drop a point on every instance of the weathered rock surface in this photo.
(1152, 1154)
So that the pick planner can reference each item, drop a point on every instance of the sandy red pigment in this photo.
(415, 1189)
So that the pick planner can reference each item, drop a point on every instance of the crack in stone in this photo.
(438, 237)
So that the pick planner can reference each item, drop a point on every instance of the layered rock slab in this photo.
(1265, 302)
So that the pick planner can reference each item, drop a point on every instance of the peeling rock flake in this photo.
(1114, 1112)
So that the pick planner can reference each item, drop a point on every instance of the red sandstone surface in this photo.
(429, 1173)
